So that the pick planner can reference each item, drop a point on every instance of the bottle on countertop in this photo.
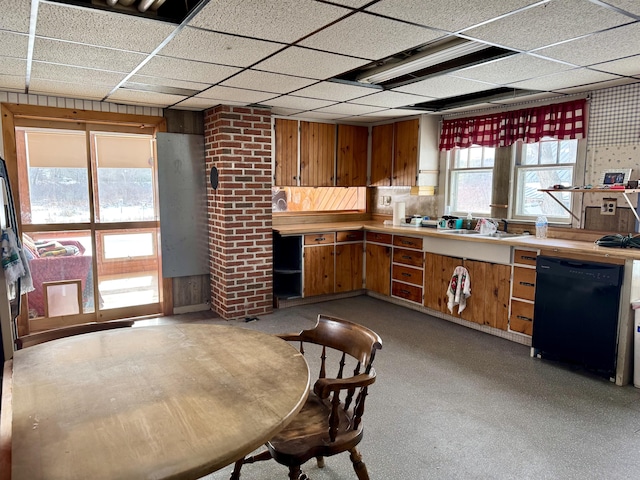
(468, 223)
(542, 226)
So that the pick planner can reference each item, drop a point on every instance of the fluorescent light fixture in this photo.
(428, 58)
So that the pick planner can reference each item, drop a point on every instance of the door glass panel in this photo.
(126, 177)
(53, 176)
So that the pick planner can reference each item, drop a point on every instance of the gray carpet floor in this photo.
(454, 403)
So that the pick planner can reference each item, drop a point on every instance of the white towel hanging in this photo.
(459, 289)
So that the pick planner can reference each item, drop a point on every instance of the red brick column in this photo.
(238, 143)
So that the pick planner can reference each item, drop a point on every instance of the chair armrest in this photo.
(290, 337)
(69, 331)
(324, 386)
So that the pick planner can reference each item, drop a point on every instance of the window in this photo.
(539, 165)
(470, 180)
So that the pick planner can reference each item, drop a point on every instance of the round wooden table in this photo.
(174, 401)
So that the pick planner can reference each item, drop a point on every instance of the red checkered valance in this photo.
(564, 121)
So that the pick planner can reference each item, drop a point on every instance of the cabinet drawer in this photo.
(408, 257)
(521, 319)
(408, 292)
(407, 242)
(353, 236)
(379, 237)
(524, 257)
(319, 238)
(524, 283)
(408, 274)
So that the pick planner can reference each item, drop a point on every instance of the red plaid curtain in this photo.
(564, 121)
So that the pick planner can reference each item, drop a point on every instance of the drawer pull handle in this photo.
(407, 257)
(528, 258)
(319, 239)
(406, 242)
(406, 292)
(527, 284)
(524, 318)
(351, 235)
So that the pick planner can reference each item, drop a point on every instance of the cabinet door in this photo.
(352, 156)
(381, 155)
(378, 268)
(474, 311)
(348, 267)
(286, 155)
(317, 154)
(405, 158)
(438, 271)
(318, 270)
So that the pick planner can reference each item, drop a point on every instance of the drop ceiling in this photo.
(289, 55)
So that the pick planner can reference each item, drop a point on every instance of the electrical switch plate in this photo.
(608, 206)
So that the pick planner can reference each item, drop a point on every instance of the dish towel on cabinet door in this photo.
(459, 289)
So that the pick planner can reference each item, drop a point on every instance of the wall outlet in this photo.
(384, 201)
(608, 206)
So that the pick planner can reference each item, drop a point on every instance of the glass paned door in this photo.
(88, 208)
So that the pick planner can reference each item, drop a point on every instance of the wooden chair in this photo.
(62, 332)
(327, 424)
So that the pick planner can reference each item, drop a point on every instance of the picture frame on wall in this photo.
(615, 176)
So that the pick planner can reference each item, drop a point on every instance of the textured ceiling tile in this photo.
(13, 66)
(168, 82)
(377, 37)
(148, 98)
(64, 73)
(449, 15)
(548, 23)
(631, 6)
(13, 45)
(285, 111)
(196, 103)
(267, 81)
(629, 66)
(349, 109)
(67, 53)
(338, 92)
(512, 69)
(15, 15)
(283, 21)
(444, 87)
(393, 112)
(352, 3)
(391, 99)
(309, 63)
(606, 84)
(610, 45)
(73, 90)
(298, 102)
(239, 95)
(97, 27)
(12, 82)
(188, 70)
(466, 108)
(319, 116)
(214, 47)
(556, 81)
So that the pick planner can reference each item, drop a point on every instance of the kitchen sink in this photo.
(502, 235)
(461, 231)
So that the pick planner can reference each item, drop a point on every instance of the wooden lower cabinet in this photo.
(521, 317)
(378, 270)
(318, 270)
(437, 274)
(348, 267)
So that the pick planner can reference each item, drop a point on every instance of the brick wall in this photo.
(238, 143)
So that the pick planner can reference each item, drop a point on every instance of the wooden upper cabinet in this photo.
(352, 156)
(405, 160)
(381, 155)
(317, 154)
(286, 157)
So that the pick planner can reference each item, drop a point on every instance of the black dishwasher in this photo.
(576, 312)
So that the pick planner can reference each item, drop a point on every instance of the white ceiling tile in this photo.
(352, 3)
(569, 78)
(349, 109)
(377, 37)
(67, 53)
(610, 45)
(64, 73)
(148, 98)
(197, 103)
(283, 21)
(547, 24)
(15, 15)
(511, 69)
(606, 84)
(13, 44)
(444, 86)
(188, 70)
(290, 101)
(267, 81)
(285, 111)
(338, 92)
(13, 66)
(87, 91)
(214, 47)
(466, 108)
(631, 6)
(391, 99)
(533, 96)
(393, 112)
(239, 95)
(148, 80)
(449, 15)
(182, 106)
(629, 66)
(97, 27)
(318, 115)
(12, 82)
(309, 63)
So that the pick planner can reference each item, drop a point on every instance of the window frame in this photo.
(452, 156)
